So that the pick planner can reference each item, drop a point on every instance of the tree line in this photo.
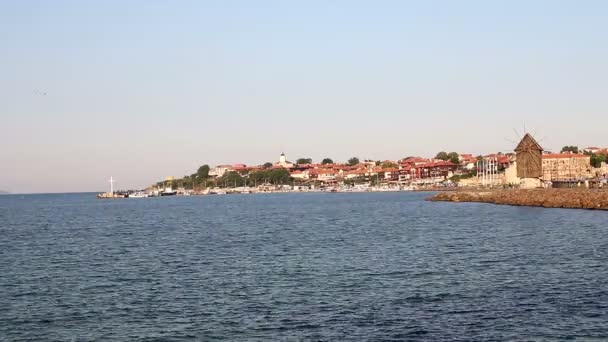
(352, 161)
(201, 178)
(452, 157)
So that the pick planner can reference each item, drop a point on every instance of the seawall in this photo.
(547, 198)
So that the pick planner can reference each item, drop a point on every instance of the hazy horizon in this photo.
(143, 90)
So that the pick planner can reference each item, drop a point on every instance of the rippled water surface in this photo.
(298, 267)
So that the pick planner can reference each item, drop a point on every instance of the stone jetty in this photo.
(547, 198)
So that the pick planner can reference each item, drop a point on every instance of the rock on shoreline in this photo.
(547, 198)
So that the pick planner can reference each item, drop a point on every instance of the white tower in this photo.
(282, 159)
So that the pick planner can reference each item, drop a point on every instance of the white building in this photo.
(283, 162)
(219, 170)
(300, 174)
(592, 149)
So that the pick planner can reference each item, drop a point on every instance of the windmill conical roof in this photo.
(528, 143)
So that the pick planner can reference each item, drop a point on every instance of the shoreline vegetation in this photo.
(578, 198)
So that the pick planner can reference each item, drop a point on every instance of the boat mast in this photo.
(112, 180)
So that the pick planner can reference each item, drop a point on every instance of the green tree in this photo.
(304, 161)
(597, 160)
(573, 149)
(186, 182)
(203, 172)
(454, 158)
(274, 176)
(389, 165)
(267, 165)
(230, 179)
(442, 155)
(374, 180)
(279, 176)
(327, 161)
(353, 161)
(258, 177)
(193, 179)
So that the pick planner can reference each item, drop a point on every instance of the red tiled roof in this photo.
(322, 171)
(503, 159)
(414, 160)
(439, 163)
(240, 167)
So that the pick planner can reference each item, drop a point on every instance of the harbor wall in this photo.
(547, 198)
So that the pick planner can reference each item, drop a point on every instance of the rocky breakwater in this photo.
(547, 198)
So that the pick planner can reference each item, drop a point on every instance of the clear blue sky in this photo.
(140, 90)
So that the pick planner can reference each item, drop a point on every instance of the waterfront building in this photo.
(388, 174)
(427, 170)
(467, 161)
(219, 170)
(357, 173)
(325, 174)
(592, 149)
(566, 166)
(300, 174)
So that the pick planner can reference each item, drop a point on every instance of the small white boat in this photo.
(138, 194)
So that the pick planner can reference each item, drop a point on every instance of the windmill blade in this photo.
(516, 133)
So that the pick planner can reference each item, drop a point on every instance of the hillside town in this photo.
(570, 167)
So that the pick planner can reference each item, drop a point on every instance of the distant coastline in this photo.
(2, 192)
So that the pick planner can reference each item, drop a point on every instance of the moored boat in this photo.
(112, 195)
(168, 192)
(138, 194)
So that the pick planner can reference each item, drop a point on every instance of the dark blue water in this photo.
(298, 267)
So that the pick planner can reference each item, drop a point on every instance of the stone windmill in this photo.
(529, 160)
